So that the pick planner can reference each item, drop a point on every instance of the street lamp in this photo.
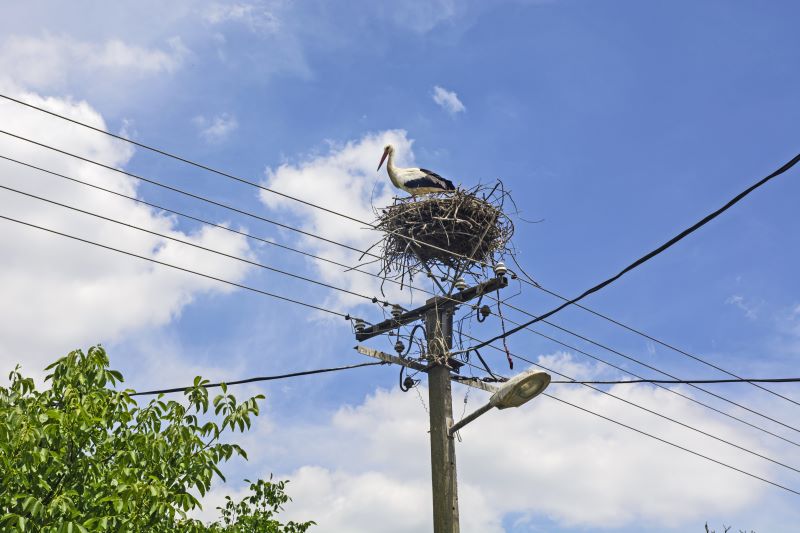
(513, 393)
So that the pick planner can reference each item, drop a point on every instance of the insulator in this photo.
(396, 311)
(461, 284)
(408, 382)
(399, 347)
(360, 326)
(485, 311)
(500, 269)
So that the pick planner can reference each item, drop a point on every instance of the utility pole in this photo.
(438, 316)
(439, 326)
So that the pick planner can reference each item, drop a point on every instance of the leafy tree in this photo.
(82, 456)
(257, 511)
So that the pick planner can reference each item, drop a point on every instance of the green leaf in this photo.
(103, 463)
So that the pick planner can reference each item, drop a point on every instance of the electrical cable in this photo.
(156, 261)
(664, 440)
(657, 341)
(198, 246)
(685, 381)
(574, 301)
(185, 193)
(175, 189)
(669, 419)
(227, 255)
(83, 182)
(680, 236)
(260, 378)
(655, 252)
(209, 223)
(670, 443)
(485, 365)
(689, 398)
(199, 197)
(570, 302)
(282, 225)
(710, 393)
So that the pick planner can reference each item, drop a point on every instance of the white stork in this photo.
(413, 180)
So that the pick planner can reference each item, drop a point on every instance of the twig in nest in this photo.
(454, 230)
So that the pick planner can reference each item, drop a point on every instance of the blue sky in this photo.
(615, 123)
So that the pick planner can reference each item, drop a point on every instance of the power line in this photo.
(669, 419)
(671, 443)
(337, 288)
(654, 339)
(156, 261)
(195, 245)
(505, 334)
(570, 302)
(689, 398)
(651, 254)
(293, 301)
(184, 160)
(221, 173)
(205, 199)
(523, 326)
(183, 192)
(742, 448)
(209, 223)
(609, 419)
(111, 168)
(260, 378)
(686, 381)
(617, 352)
(165, 236)
(375, 275)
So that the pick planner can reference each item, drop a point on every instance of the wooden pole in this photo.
(439, 326)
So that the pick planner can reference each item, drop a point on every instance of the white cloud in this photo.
(448, 100)
(344, 180)
(216, 129)
(54, 62)
(750, 310)
(420, 16)
(256, 16)
(368, 464)
(59, 294)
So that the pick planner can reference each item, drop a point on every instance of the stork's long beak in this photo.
(383, 158)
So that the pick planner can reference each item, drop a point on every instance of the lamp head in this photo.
(519, 389)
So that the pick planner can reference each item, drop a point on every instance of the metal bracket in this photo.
(439, 301)
(416, 365)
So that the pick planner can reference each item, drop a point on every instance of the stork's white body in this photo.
(414, 181)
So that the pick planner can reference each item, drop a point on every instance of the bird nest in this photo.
(456, 230)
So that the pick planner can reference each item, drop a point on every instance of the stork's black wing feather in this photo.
(428, 182)
(448, 185)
